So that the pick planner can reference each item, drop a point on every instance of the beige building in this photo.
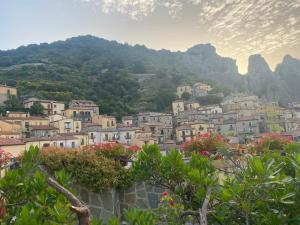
(200, 127)
(85, 105)
(201, 89)
(143, 138)
(67, 125)
(128, 120)
(9, 127)
(12, 146)
(51, 107)
(18, 114)
(82, 114)
(177, 106)
(182, 89)
(184, 133)
(6, 92)
(105, 121)
(56, 141)
(28, 122)
(191, 105)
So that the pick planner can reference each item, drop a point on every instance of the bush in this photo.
(271, 141)
(87, 167)
(205, 144)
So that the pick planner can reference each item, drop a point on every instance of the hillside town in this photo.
(240, 118)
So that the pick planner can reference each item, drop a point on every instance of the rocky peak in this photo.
(258, 66)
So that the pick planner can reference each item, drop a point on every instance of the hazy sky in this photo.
(237, 28)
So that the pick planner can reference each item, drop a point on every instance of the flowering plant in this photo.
(4, 157)
(114, 151)
(271, 141)
(168, 210)
(206, 144)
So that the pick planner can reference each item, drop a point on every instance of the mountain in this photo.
(125, 79)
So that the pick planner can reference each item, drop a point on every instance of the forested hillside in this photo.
(125, 79)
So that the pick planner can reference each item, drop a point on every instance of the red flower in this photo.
(172, 203)
(164, 193)
(203, 152)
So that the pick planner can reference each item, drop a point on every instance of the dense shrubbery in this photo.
(87, 167)
(271, 141)
(252, 190)
(261, 189)
(205, 144)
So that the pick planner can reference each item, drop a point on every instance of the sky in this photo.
(237, 28)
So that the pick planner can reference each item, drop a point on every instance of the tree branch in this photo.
(82, 211)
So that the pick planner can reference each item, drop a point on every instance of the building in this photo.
(143, 138)
(177, 106)
(129, 121)
(191, 105)
(27, 122)
(228, 127)
(105, 121)
(123, 135)
(6, 92)
(56, 141)
(200, 127)
(8, 127)
(184, 133)
(160, 132)
(247, 127)
(201, 89)
(155, 117)
(18, 114)
(84, 115)
(210, 109)
(83, 105)
(51, 107)
(184, 89)
(67, 125)
(43, 131)
(239, 101)
(13, 146)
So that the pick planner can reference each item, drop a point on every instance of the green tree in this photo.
(13, 104)
(186, 96)
(36, 109)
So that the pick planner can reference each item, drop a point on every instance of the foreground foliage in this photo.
(239, 189)
(90, 167)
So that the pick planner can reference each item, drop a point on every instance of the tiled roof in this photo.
(55, 138)
(41, 127)
(10, 141)
(24, 118)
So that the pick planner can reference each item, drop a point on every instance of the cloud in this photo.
(252, 26)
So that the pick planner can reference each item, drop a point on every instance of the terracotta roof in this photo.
(24, 118)
(10, 141)
(246, 118)
(55, 138)
(41, 127)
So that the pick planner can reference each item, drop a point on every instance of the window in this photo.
(230, 127)
(74, 113)
(112, 123)
(54, 112)
(92, 136)
(8, 92)
(54, 106)
(73, 144)
(106, 137)
(61, 144)
(46, 145)
(107, 123)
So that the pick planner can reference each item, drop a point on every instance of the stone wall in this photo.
(107, 204)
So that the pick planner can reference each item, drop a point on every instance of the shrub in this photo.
(88, 168)
(271, 141)
(205, 144)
